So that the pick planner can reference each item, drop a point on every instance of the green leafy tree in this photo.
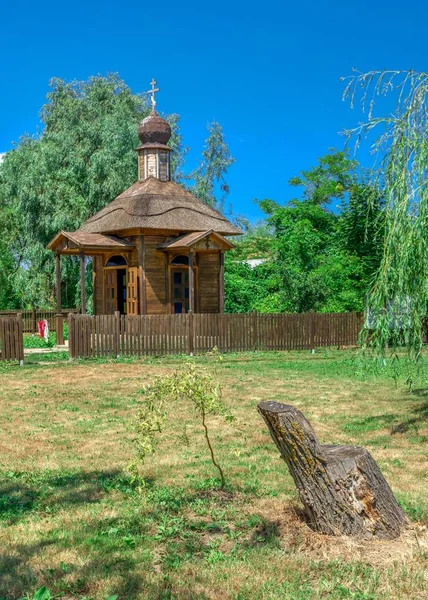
(11, 250)
(209, 175)
(82, 158)
(316, 256)
(303, 231)
(361, 227)
(330, 179)
(398, 299)
(249, 288)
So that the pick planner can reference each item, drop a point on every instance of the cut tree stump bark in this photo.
(341, 487)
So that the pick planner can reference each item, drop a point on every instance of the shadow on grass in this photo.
(26, 492)
(103, 549)
(418, 416)
(124, 575)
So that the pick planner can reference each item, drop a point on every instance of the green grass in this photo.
(73, 519)
(33, 340)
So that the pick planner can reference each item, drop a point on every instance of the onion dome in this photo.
(154, 130)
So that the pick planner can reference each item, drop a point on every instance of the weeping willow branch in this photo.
(398, 299)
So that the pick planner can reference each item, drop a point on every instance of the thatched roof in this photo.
(154, 204)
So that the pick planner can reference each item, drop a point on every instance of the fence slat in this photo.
(11, 338)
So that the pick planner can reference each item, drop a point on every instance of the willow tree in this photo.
(398, 298)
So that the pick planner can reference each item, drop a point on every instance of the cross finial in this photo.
(152, 92)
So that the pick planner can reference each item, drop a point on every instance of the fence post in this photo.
(20, 339)
(59, 329)
(191, 331)
(116, 333)
(71, 336)
(33, 320)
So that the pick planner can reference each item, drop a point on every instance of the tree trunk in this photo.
(341, 487)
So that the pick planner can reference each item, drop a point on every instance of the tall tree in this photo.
(361, 226)
(398, 299)
(210, 184)
(82, 158)
(330, 179)
(316, 255)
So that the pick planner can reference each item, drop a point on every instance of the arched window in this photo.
(116, 261)
(180, 260)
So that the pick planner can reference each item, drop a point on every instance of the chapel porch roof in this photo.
(90, 243)
(189, 240)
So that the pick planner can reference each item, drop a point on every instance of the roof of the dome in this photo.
(154, 129)
(154, 204)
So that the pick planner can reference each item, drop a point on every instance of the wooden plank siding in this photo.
(11, 339)
(156, 269)
(160, 335)
(153, 285)
(208, 282)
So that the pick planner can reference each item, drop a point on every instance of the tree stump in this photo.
(341, 487)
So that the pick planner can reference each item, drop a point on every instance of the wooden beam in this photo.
(59, 325)
(58, 282)
(82, 283)
(168, 304)
(94, 284)
(221, 283)
(142, 299)
(191, 282)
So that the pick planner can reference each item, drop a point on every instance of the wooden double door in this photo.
(121, 290)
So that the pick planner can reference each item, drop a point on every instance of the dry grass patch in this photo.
(74, 521)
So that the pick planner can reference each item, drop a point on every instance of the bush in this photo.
(190, 382)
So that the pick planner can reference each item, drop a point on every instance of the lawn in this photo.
(72, 519)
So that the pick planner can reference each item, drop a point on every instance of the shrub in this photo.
(190, 383)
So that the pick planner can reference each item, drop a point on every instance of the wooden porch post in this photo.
(94, 284)
(142, 276)
(221, 283)
(59, 325)
(82, 283)
(191, 283)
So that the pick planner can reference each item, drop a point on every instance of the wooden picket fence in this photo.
(30, 318)
(159, 335)
(11, 339)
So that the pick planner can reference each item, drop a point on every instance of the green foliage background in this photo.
(316, 252)
(80, 160)
(319, 252)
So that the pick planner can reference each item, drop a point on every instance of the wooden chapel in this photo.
(156, 248)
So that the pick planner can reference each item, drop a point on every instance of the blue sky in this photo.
(269, 71)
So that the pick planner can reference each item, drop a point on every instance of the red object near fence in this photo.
(41, 326)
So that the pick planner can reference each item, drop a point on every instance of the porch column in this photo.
(141, 276)
(221, 283)
(191, 283)
(59, 325)
(82, 283)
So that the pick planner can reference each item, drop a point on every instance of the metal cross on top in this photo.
(152, 92)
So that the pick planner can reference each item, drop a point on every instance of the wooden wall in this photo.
(156, 281)
(209, 268)
(157, 162)
(156, 268)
